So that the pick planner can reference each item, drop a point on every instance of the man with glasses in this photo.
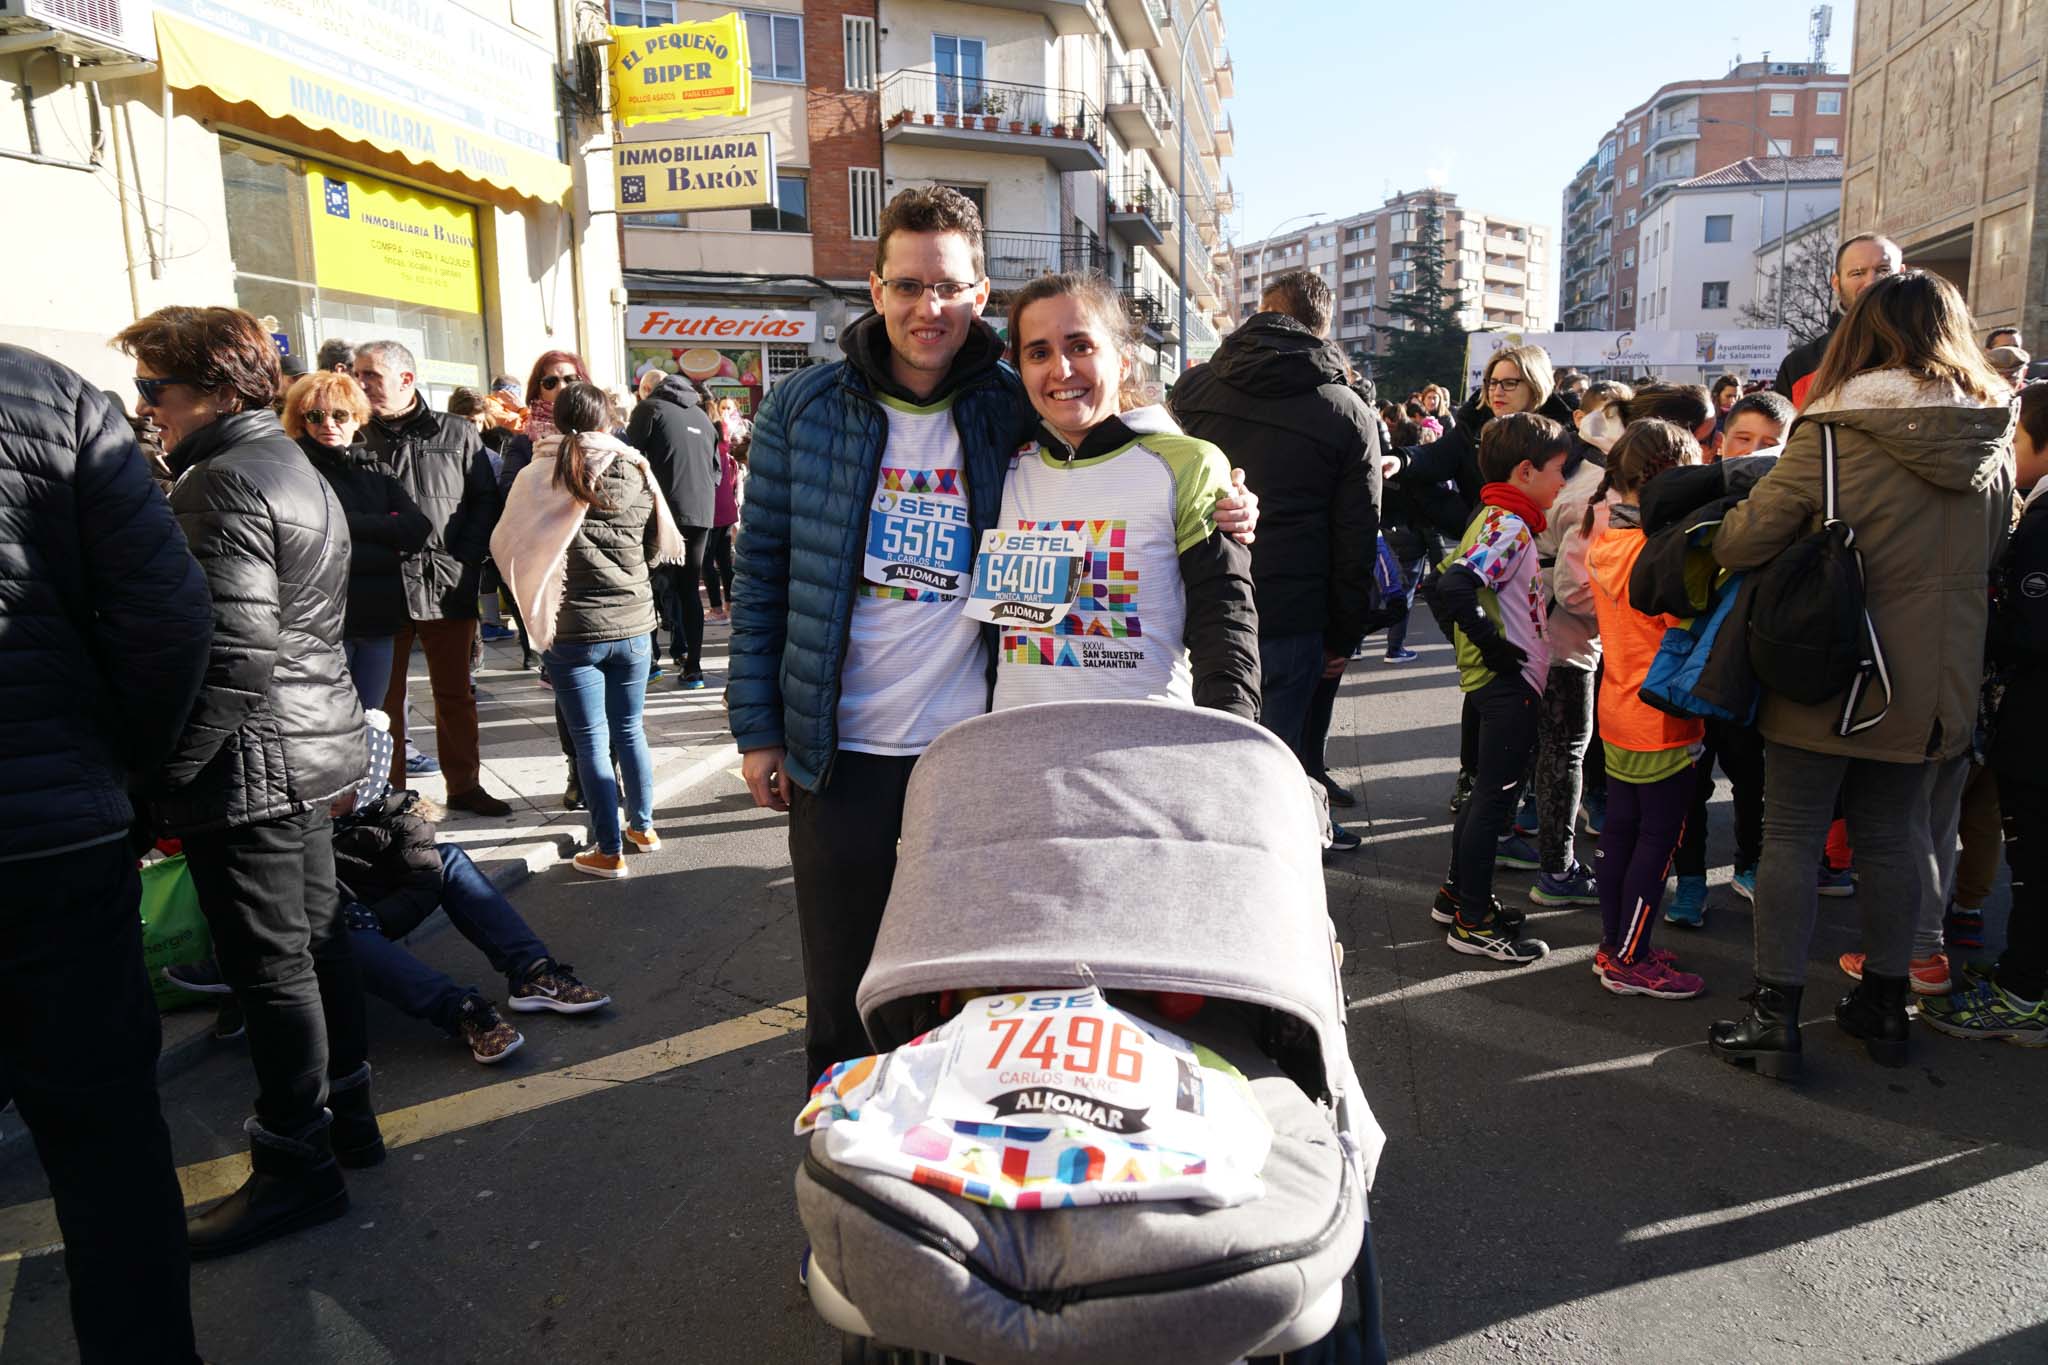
(1859, 262)
(441, 460)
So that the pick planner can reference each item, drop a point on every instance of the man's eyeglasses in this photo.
(946, 291)
(549, 381)
(152, 390)
(1504, 385)
(314, 417)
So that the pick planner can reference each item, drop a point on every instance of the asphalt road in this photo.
(1569, 1176)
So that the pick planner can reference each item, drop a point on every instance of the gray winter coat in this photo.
(277, 728)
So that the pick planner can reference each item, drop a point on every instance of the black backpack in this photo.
(1810, 636)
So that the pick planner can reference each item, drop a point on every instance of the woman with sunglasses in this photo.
(322, 412)
(551, 372)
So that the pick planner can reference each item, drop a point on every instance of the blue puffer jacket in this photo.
(816, 455)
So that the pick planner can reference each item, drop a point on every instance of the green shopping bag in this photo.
(173, 930)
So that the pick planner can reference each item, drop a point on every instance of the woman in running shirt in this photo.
(1106, 575)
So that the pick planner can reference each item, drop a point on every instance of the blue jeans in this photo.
(1290, 666)
(1411, 576)
(369, 668)
(601, 685)
(475, 908)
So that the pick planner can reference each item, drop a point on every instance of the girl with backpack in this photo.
(1919, 431)
(1649, 753)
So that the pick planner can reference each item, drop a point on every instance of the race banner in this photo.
(694, 70)
(1754, 354)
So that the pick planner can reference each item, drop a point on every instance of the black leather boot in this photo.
(357, 1141)
(1767, 1037)
(1875, 1011)
(293, 1183)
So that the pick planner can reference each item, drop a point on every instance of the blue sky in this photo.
(1342, 102)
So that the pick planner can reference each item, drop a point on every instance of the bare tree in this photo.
(1809, 289)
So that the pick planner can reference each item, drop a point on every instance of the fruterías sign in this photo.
(680, 71)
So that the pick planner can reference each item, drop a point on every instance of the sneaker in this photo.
(1963, 929)
(1340, 795)
(1400, 656)
(1525, 816)
(494, 634)
(477, 801)
(690, 682)
(1445, 911)
(202, 976)
(1463, 793)
(1837, 882)
(1575, 886)
(1602, 959)
(1927, 975)
(645, 840)
(1593, 810)
(1659, 980)
(718, 614)
(1495, 939)
(545, 680)
(1517, 852)
(491, 1040)
(591, 863)
(1983, 1010)
(655, 673)
(552, 985)
(1343, 840)
(417, 765)
(1744, 884)
(1689, 906)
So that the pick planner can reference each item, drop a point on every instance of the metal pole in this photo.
(1180, 113)
(1784, 235)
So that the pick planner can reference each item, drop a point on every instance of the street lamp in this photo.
(1285, 223)
(1180, 114)
(1785, 209)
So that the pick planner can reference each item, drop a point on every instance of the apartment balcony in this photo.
(1659, 181)
(1017, 258)
(1506, 246)
(1139, 109)
(950, 113)
(1226, 198)
(1512, 302)
(1670, 135)
(1149, 311)
(1141, 211)
(1226, 138)
(1603, 177)
(1226, 76)
(1505, 274)
(1068, 18)
(1603, 215)
(1136, 22)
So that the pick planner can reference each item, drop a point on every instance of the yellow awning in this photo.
(436, 85)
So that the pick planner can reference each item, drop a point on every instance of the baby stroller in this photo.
(1170, 858)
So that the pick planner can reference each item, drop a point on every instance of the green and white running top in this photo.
(1140, 492)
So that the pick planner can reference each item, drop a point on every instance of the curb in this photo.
(188, 1033)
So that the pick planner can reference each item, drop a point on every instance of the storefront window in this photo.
(374, 261)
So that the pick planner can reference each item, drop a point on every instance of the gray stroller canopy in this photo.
(1139, 845)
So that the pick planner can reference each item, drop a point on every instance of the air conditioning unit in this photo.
(93, 31)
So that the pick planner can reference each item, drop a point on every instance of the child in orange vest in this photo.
(1649, 753)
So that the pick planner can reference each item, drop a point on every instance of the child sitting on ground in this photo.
(394, 874)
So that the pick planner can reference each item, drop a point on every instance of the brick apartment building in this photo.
(1686, 129)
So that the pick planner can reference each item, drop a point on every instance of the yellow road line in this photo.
(27, 1229)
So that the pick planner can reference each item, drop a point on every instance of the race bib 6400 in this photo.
(1026, 577)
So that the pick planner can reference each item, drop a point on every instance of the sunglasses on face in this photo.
(549, 381)
(910, 291)
(315, 417)
(152, 390)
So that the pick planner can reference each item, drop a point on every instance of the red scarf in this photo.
(1513, 499)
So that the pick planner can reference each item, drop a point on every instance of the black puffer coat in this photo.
(104, 615)
(442, 462)
(606, 595)
(277, 729)
(386, 858)
(676, 436)
(384, 526)
(1276, 402)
